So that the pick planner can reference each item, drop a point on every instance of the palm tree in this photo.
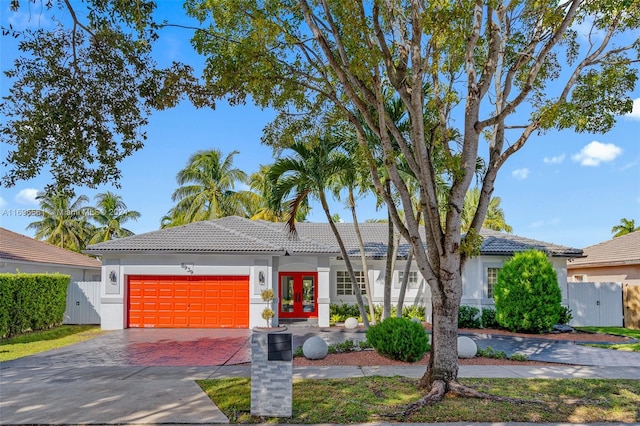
(308, 173)
(111, 213)
(207, 188)
(626, 226)
(495, 215)
(263, 207)
(64, 221)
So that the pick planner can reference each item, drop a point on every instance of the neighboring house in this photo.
(211, 273)
(24, 254)
(615, 260)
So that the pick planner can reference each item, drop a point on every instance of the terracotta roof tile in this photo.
(18, 247)
(617, 251)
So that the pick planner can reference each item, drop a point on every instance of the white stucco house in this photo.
(211, 273)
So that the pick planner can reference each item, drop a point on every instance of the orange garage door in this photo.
(189, 301)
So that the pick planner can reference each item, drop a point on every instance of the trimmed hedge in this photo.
(31, 302)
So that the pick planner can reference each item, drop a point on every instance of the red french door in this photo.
(298, 294)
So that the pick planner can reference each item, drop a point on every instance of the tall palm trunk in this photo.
(347, 261)
(403, 284)
(365, 267)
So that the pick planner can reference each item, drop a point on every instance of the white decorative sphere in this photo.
(315, 348)
(467, 348)
(351, 323)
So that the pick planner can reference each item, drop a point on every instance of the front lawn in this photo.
(371, 399)
(40, 341)
(619, 331)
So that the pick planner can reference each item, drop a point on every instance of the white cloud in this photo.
(558, 159)
(537, 224)
(596, 152)
(545, 223)
(520, 174)
(2, 202)
(27, 196)
(635, 112)
(587, 31)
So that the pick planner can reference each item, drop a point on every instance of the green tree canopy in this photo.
(110, 213)
(63, 220)
(207, 188)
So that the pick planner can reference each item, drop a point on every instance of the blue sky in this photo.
(562, 187)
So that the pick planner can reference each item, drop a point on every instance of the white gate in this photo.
(595, 304)
(83, 303)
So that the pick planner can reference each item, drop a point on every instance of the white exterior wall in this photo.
(475, 282)
(113, 295)
(76, 273)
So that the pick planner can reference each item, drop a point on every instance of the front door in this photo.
(298, 295)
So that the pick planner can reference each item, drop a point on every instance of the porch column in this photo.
(324, 292)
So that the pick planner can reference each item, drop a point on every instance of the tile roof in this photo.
(499, 243)
(18, 247)
(622, 250)
(238, 235)
(226, 235)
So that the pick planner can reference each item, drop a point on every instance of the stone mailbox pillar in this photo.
(271, 374)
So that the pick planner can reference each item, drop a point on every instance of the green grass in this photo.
(618, 331)
(373, 399)
(40, 341)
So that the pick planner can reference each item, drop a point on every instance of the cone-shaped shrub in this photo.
(527, 296)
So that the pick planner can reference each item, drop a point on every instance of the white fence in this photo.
(83, 303)
(595, 304)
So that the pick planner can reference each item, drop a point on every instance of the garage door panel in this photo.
(193, 301)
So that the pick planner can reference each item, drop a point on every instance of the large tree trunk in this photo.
(445, 301)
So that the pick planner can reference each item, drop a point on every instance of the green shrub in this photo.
(518, 357)
(347, 345)
(488, 318)
(31, 302)
(489, 352)
(565, 315)
(468, 317)
(399, 338)
(341, 311)
(413, 311)
(527, 296)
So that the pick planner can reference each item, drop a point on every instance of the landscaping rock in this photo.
(351, 323)
(315, 348)
(562, 328)
(467, 348)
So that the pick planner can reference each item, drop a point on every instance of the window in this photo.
(412, 282)
(492, 278)
(579, 278)
(343, 283)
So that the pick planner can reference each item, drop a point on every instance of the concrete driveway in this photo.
(150, 347)
(133, 376)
